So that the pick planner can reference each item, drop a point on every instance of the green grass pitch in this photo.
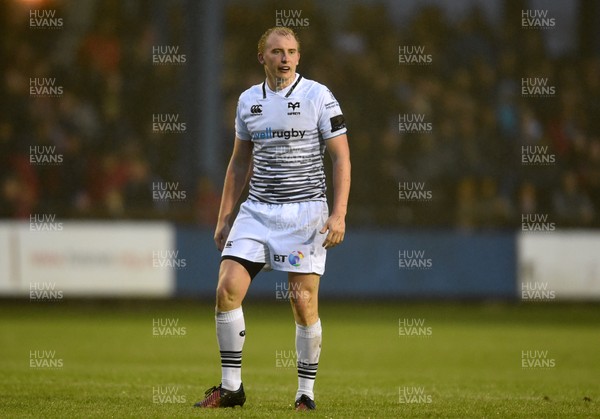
(466, 360)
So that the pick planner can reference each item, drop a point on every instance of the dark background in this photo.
(470, 93)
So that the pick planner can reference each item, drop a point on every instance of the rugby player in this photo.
(283, 127)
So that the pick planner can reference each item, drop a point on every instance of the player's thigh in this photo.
(234, 279)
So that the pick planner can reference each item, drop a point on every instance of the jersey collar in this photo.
(291, 89)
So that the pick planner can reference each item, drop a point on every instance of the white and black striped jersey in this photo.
(289, 129)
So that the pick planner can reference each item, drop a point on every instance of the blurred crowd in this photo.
(470, 162)
(89, 149)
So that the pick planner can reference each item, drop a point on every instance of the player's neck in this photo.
(277, 84)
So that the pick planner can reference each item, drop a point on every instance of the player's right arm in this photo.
(236, 179)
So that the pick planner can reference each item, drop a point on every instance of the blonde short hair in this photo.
(279, 30)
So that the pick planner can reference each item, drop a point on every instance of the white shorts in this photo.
(286, 237)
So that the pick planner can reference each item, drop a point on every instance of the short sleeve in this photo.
(241, 129)
(331, 118)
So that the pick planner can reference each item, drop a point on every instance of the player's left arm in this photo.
(336, 223)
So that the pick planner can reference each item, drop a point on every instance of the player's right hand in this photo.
(336, 228)
(221, 234)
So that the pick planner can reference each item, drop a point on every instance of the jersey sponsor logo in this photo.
(332, 104)
(337, 123)
(256, 109)
(229, 244)
(270, 133)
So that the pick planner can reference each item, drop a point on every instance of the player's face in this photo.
(280, 58)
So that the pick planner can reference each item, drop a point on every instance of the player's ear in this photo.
(261, 58)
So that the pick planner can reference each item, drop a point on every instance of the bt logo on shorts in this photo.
(294, 258)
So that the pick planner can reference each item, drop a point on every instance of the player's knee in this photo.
(305, 310)
(226, 295)
(306, 318)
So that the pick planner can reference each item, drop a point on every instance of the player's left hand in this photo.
(336, 225)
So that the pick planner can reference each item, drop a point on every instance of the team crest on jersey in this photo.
(293, 106)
